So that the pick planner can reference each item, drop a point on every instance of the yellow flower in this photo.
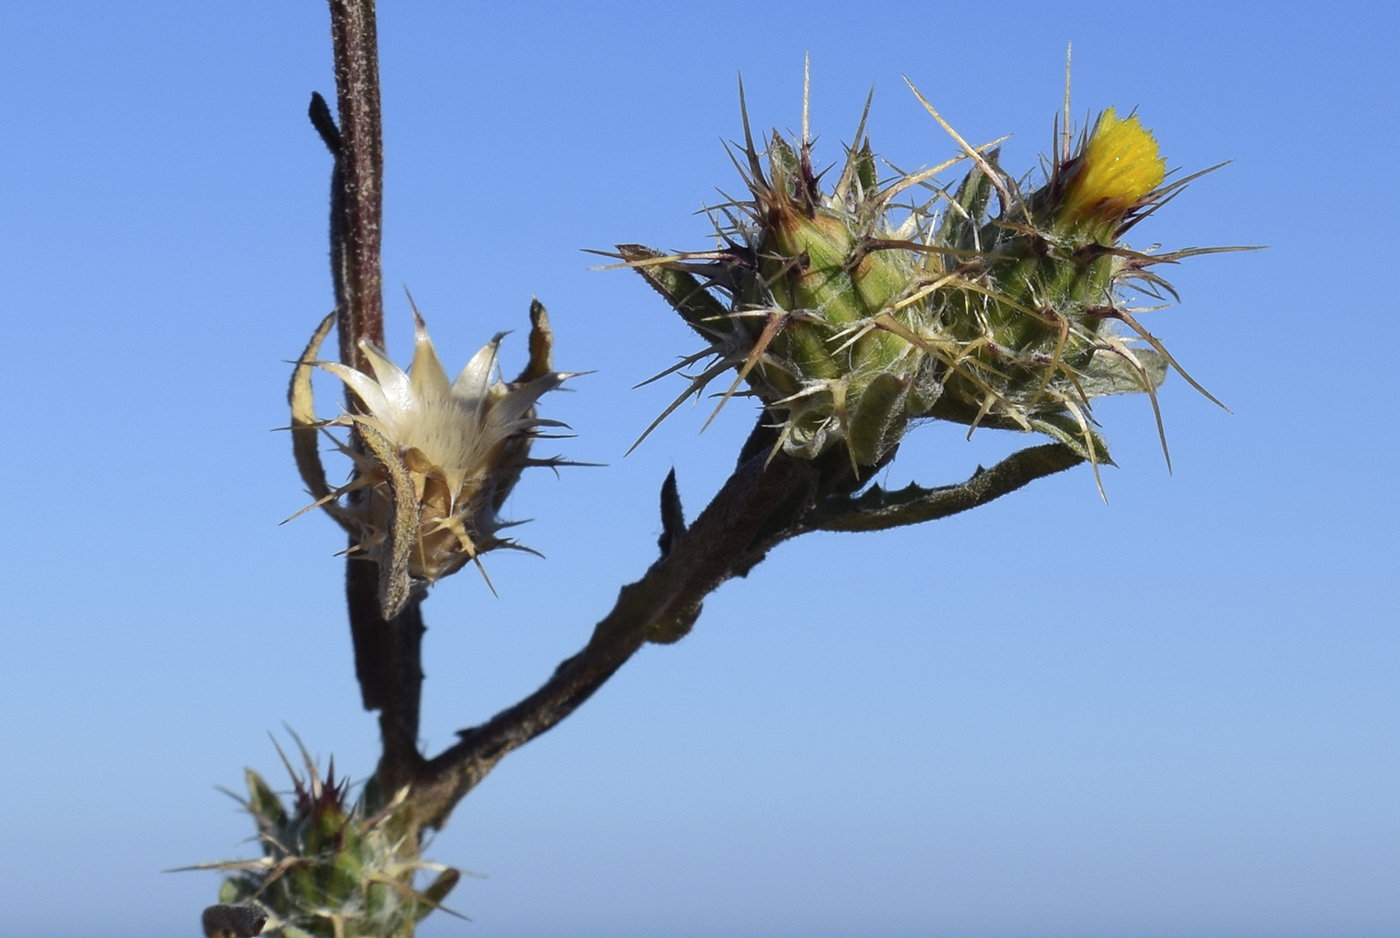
(1118, 166)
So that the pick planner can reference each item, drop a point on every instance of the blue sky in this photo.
(1174, 714)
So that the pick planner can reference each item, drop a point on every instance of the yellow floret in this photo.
(1117, 167)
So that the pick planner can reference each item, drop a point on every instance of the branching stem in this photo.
(769, 498)
(756, 510)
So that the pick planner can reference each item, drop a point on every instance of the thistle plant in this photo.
(853, 311)
(850, 310)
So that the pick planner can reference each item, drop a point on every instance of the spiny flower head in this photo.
(851, 315)
(332, 867)
(438, 458)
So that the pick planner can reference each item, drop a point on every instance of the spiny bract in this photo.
(850, 316)
(438, 458)
(331, 869)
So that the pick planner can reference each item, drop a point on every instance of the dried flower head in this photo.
(433, 460)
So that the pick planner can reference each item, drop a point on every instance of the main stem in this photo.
(356, 226)
(387, 654)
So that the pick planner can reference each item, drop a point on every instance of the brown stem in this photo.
(877, 509)
(387, 654)
(388, 666)
(756, 510)
(724, 540)
(360, 169)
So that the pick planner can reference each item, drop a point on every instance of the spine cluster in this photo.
(853, 310)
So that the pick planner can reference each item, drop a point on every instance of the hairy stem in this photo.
(360, 172)
(388, 655)
(878, 510)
